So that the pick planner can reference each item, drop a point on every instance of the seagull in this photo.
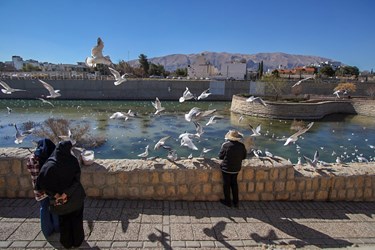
(52, 92)
(187, 95)
(205, 151)
(45, 101)
(20, 136)
(199, 129)
(338, 160)
(300, 81)
(212, 119)
(299, 162)
(362, 159)
(294, 137)
(68, 137)
(121, 115)
(256, 132)
(313, 162)
(9, 110)
(144, 154)
(157, 105)
(187, 142)
(97, 55)
(119, 79)
(252, 99)
(204, 94)
(337, 92)
(172, 155)
(161, 142)
(240, 119)
(8, 90)
(196, 114)
(371, 146)
(268, 153)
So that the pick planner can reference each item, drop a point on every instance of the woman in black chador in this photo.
(59, 177)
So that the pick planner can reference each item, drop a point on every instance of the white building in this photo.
(202, 68)
(235, 71)
(17, 62)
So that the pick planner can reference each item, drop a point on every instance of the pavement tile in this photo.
(192, 244)
(119, 244)
(26, 231)
(36, 244)
(152, 232)
(5, 244)
(179, 216)
(199, 216)
(131, 215)
(7, 229)
(19, 244)
(109, 214)
(181, 232)
(203, 232)
(103, 231)
(152, 216)
(103, 244)
(219, 215)
(127, 231)
(256, 215)
(134, 244)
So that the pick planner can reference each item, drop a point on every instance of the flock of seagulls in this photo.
(195, 115)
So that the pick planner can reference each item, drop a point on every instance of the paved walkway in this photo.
(126, 224)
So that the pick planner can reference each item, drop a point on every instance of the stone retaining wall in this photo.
(200, 179)
(307, 110)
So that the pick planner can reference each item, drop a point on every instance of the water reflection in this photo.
(338, 135)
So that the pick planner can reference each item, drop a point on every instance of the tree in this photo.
(156, 69)
(181, 72)
(275, 73)
(29, 68)
(348, 71)
(274, 85)
(260, 69)
(327, 70)
(346, 87)
(145, 65)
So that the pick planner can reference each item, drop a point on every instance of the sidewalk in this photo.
(127, 224)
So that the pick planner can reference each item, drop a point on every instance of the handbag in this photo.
(74, 202)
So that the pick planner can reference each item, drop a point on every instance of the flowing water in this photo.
(336, 135)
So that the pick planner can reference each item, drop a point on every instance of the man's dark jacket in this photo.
(232, 153)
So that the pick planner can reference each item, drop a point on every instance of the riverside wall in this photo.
(302, 110)
(164, 89)
(200, 179)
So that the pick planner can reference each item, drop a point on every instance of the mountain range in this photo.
(270, 60)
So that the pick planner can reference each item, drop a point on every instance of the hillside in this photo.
(270, 60)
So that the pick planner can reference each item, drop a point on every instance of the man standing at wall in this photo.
(232, 153)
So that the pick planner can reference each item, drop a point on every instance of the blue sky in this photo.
(65, 31)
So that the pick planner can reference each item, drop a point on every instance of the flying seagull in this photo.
(119, 78)
(213, 119)
(97, 55)
(8, 90)
(157, 106)
(294, 137)
(47, 102)
(161, 142)
(300, 81)
(204, 94)
(20, 136)
(187, 142)
(313, 162)
(52, 92)
(187, 95)
(256, 131)
(253, 99)
(144, 154)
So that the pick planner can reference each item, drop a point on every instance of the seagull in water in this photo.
(157, 106)
(52, 92)
(204, 94)
(187, 95)
(119, 79)
(97, 55)
(294, 137)
(253, 99)
(8, 90)
(9, 110)
(300, 81)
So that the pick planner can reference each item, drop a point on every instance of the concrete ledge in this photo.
(307, 110)
(200, 179)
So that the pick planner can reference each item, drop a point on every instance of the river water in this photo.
(345, 136)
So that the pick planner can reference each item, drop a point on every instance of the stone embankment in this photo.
(200, 179)
(302, 110)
